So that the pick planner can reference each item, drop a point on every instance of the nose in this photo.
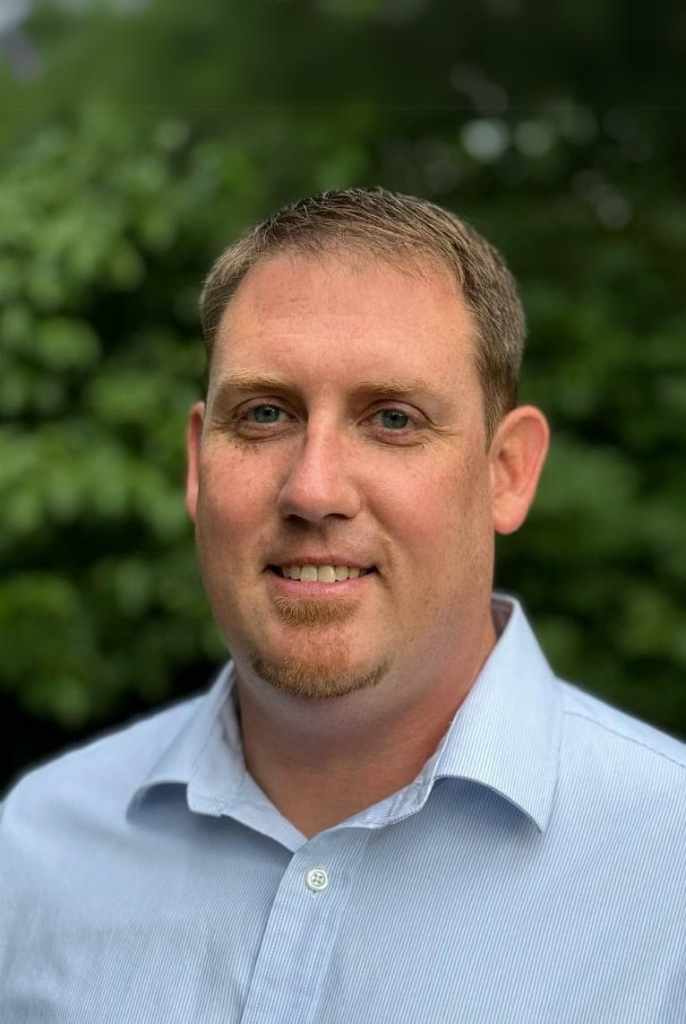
(319, 483)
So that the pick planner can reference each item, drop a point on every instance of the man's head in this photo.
(343, 480)
(402, 230)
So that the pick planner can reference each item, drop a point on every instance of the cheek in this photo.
(234, 494)
(446, 519)
(419, 509)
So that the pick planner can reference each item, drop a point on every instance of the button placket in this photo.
(294, 957)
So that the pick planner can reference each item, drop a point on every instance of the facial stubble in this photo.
(325, 670)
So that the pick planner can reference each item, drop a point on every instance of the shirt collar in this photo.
(202, 748)
(505, 735)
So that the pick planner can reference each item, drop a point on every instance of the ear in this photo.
(196, 418)
(517, 454)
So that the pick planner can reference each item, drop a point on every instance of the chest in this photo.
(356, 925)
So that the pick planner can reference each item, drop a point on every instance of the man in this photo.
(387, 808)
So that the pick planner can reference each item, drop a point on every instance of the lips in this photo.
(317, 585)
(295, 570)
(284, 559)
(311, 572)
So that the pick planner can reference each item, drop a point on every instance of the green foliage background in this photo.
(152, 134)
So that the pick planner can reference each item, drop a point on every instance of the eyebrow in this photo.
(239, 384)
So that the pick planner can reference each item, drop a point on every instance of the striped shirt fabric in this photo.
(534, 871)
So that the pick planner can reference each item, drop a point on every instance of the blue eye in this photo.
(265, 413)
(394, 419)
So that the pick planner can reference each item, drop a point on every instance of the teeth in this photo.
(320, 573)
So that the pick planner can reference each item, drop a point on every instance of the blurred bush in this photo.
(102, 242)
(147, 140)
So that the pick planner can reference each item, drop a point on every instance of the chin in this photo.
(317, 678)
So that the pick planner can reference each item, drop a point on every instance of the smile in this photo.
(319, 573)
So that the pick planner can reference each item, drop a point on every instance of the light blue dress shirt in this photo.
(533, 872)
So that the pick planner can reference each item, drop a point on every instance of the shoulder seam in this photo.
(624, 736)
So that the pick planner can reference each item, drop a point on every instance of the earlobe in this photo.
(193, 440)
(518, 452)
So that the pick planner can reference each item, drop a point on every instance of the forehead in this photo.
(347, 314)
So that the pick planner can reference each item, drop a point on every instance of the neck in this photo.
(320, 762)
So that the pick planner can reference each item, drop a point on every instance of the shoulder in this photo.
(65, 834)
(607, 725)
(614, 760)
(106, 769)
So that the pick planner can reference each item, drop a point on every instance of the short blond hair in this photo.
(405, 230)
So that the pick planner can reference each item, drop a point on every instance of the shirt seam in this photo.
(624, 736)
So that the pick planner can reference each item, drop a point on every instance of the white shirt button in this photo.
(316, 879)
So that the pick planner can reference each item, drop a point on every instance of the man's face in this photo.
(343, 436)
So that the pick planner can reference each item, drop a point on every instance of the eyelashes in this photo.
(271, 419)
